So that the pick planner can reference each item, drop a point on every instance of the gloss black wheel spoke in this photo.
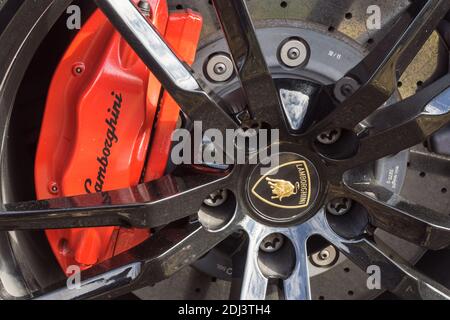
(430, 162)
(195, 100)
(403, 40)
(407, 220)
(394, 274)
(162, 255)
(444, 31)
(404, 125)
(257, 83)
(147, 205)
(377, 73)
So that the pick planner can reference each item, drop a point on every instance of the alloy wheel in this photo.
(335, 187)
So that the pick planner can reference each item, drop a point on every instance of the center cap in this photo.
(285, 192)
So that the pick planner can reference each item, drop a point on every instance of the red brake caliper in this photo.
(99, 118)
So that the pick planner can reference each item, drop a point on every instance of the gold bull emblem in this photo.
(282, 189)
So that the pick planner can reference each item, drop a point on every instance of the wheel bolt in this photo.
(216, 198)
(272, 243)
(294, 53)
(219, 68)
(330, 136)
(339, 206)
(325, 257)
(347, 90)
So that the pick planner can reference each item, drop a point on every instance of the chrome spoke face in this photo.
(254, 283)
(395, 273)
(276, 253)
(297, 286)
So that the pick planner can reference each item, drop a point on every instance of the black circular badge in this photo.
(285, 190)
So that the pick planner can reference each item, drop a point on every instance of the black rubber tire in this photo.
(26, 263)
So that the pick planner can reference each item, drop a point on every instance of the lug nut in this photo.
(339, 206)
(272, 243)
(219, 68)
(216, 198)
(345, 87)
(325, 257)
(294, 53)
(330, 136)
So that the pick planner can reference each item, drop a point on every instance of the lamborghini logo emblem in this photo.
(282, 188)
(287, 186)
